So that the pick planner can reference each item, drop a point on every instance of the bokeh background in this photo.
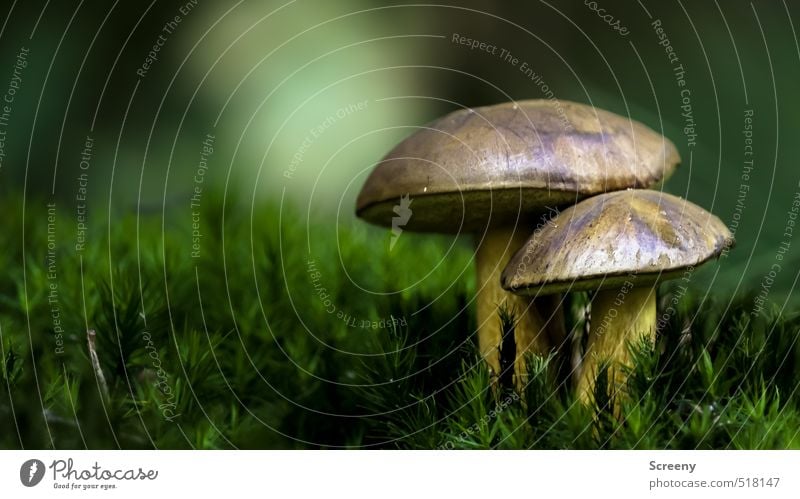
(286, 106)
(259, 76)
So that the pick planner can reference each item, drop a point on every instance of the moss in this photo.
(218, 351)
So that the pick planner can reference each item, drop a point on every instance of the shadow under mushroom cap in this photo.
(602, 241)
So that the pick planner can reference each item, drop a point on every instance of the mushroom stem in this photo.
(531, 333)
(619, 316)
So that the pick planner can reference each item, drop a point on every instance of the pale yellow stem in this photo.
(530, 333)
(619, 317)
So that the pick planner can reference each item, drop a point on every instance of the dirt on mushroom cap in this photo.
(602, 240)
(491, 163)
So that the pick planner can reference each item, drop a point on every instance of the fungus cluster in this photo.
(495, 172)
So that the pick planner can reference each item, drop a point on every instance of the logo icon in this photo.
(31, 472)
(403, 212)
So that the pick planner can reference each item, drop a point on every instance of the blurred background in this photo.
(261, 77)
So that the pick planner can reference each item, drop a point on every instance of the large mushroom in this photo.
(492, 172)
(620, 245)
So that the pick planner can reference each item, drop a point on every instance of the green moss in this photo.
(236, 348)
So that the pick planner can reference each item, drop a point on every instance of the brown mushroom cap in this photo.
(600, 242)
(490, 165)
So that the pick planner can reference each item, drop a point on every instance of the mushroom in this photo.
(621, 245)
(493, 171)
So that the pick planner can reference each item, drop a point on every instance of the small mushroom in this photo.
(621, 245)
(493, 171)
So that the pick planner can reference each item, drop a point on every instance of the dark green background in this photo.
(737, 56)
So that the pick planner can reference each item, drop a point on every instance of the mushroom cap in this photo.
(603, 241)
(498, 165)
